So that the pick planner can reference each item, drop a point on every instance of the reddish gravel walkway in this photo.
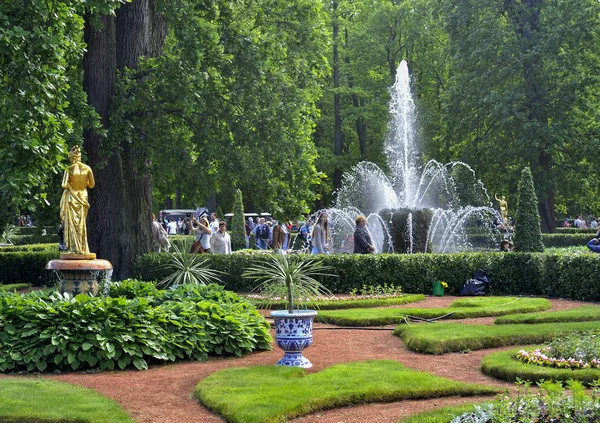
(162, 394)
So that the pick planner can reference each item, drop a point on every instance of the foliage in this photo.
(562, 275)
(463, 309)
(528, 235)
(280, 393)
(502, 365)
(14, 286)
(572, 350)
(29, 247)
(378, 290)
(238, 224)
(290, 277)
(39, 331)
(187, 268)
(453, 337)
(550, 404)
(8, 234)
(336, 303)
(28, 267)
(46, 401)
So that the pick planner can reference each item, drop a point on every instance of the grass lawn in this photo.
(459, 309)
(264, 394)
(579, 314)
(439, 338)
(441, 415)
(41, 400)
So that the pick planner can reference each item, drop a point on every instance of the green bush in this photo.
(238, 224)
(566, 240)
(589, 231)
(28, 267)
(29, 247)
(35, 239)
(562, 275)
(528, 234)
(44, 331)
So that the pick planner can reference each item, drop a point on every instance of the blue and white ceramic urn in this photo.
(293, 333)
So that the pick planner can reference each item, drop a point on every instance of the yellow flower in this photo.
(444, 284)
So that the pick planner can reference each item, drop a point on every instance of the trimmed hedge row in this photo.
(28, 267)
(568, 275)
(588, 231)
(566, 240)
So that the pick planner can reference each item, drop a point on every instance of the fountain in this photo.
(436, 207)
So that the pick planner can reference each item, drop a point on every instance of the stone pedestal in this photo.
(77, 275)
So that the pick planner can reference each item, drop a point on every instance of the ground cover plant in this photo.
(337, 302)
(277, 393)
(40, 400)
(459, 309)
(579, 314)
(440, 338)
(137, 325)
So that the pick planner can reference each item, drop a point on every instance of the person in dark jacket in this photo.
(363, 243)
(594, 245)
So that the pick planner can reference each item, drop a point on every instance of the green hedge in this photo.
(29, 247)
(567, 275)
(28, 267)
(588, 231)
(566, 240)
(35, 239)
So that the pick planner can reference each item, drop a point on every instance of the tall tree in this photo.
(120, 205)
(522, 79)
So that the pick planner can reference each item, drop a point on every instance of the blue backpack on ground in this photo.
(479, 285)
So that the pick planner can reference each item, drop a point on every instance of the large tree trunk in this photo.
(119, 227)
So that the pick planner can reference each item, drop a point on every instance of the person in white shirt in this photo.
(202, 233)
(214, 223)
(220, 241)
(172, 227)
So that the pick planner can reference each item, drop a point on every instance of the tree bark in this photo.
(119, 224)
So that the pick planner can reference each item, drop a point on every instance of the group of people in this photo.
(269, 234)
(317, 238)
(209, 236)
(581, 223)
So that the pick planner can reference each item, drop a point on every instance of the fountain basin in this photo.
(79, 276)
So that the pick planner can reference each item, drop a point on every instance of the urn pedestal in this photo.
(78, 276)
(293, 333)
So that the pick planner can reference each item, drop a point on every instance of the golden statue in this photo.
(503, 207)
(74, 204)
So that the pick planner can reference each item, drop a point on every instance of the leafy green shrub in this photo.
(238, 224)
(551, 404)
(528, 234)
(46, 331)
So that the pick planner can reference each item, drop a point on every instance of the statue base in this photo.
(78, 276)
(78, 256)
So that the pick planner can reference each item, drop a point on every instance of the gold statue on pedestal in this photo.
(74, 206)
(503, 207)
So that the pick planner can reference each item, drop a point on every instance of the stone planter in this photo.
(78, 276)
(293, 333)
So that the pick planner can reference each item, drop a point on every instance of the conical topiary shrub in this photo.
(528, 234)
(238, 224)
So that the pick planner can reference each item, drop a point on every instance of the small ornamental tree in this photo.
(238, 224)
(528, 234)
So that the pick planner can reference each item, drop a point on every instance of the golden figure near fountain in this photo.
(503, 207)
(74, 206)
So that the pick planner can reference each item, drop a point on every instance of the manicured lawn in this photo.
(264, 394)
(460, 309)
(579, 314)
(42, 400)
(441, 415)
(439, 338)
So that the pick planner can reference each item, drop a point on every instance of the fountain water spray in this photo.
(462, 217)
